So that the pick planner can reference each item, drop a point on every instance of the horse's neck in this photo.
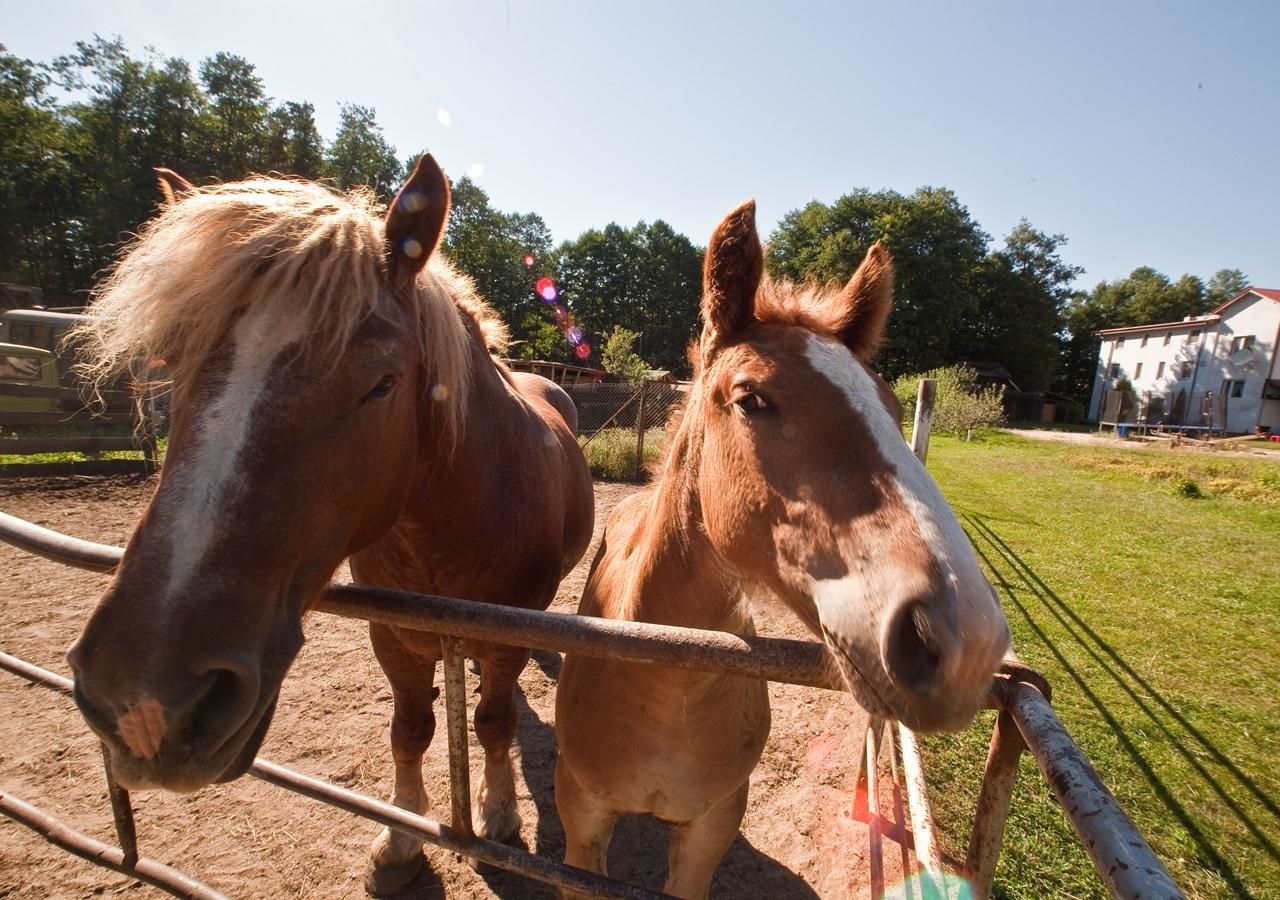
(451, 476)
(675, 577)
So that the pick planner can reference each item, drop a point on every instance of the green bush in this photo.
(960, 406)
(1185, 487)
(611, 453)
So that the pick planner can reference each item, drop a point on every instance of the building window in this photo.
(1115, 370)
(1168, 336)
(1233, 388)
(1193, 336)
(1144, 341)
(1184, 370)
(1119, 343)
(1137, 371)
(1244, 342)
(1159, 371)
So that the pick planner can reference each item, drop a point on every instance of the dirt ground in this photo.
(1107, 440)
(249, 839)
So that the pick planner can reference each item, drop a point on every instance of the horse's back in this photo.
(531, 386)
(558, 414)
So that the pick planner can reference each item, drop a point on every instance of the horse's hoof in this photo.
(382, 879)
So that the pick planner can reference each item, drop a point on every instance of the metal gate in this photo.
(1124, 862)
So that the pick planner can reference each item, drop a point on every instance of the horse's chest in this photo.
(670, 753)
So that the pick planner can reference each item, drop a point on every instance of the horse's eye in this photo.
(382, 388)
(747, 402)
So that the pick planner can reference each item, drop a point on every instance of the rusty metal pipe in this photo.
(455, 703)
(57, 546)
(994, 800)
(61, 835)
(1123, 859)
(501, 855)
(776, 659)
(492, 852)
(121, 811)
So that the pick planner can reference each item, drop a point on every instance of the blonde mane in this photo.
(315, 253)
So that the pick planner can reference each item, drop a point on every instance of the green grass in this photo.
(611, 453)
(1145, 585)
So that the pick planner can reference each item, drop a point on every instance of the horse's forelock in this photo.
(311, 251)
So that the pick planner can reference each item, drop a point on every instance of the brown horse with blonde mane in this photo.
(332, 395)
(786, 476)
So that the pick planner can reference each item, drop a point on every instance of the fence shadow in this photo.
(1005, 563)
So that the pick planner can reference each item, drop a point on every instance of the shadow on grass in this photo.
(1123, 674)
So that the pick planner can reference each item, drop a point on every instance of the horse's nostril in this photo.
(912, 653)
(218, 707)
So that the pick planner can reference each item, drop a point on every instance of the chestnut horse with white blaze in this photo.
(786, 475)
(332, 396)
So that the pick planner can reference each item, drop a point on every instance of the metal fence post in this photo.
(455, 702)
(644, 390)
(993, 805)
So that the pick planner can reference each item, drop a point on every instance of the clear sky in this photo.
(1148, 133)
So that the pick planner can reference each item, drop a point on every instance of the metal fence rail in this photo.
(1125, 863)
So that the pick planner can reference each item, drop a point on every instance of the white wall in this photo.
(1259, 317)
(1254, 315)
(1127, 352)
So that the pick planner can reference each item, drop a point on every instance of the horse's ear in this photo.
(416, 220)
(865, 302)
(730, 277)
(172, 185)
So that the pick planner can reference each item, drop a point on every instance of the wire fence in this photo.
(616, 421)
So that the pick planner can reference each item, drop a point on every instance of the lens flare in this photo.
(583, 351)
(442, 115)
(528, 260)
(926, 887)
(574, 335)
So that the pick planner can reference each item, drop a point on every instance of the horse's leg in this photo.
(694, 848)
(396, 857)
(588, 827)
(495, 814)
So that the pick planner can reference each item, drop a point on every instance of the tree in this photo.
(618, 357)
(491, 247)
(238, 107)
(360, 155)
(937, 249)
(646, 279)
(1022, 292)
(1225, 284)
(33, 177)
(293, 143)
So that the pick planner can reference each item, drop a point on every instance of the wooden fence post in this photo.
(924, 418)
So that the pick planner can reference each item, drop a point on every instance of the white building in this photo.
(1228, 354)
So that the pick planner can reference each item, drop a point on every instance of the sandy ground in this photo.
(249, 839)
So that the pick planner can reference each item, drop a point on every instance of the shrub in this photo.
(1185, 487)
(960, 405)
(612, 452)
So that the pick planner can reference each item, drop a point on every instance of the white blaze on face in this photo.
(978, 615)
(204, 481)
